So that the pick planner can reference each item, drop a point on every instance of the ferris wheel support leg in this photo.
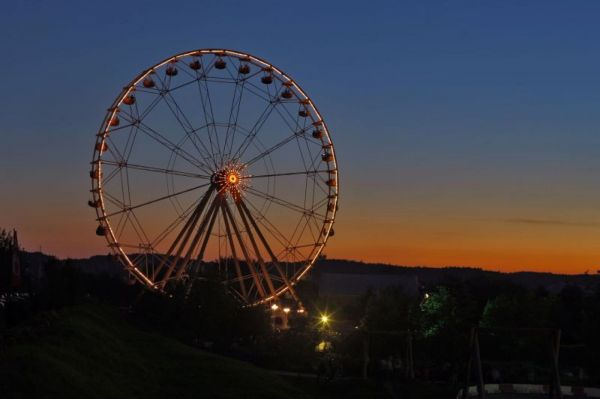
(262, 238)
(261, 261)
(238, 269)
(192, 247)
(236, 230)
(192, 276)
(214, 211)
(185, 232)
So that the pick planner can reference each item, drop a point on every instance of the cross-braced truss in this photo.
(215, 160)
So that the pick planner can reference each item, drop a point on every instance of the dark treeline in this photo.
(439, 322)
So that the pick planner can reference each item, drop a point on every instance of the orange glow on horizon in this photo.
(575, 256)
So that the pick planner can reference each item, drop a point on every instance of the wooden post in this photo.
(480, 385)
(410, 365)
(469, 363)
(366, 359)
(555, 386)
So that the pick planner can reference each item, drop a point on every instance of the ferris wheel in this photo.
(215, 161)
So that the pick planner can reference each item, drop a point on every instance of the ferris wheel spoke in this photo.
(165, 82)
(113, 149)
(302, 157)
(282, 202)
(270, 227)
(207, 104)
(133, 133)
(264, 116)
(289, 119)
(193, 131)
(113, 200)
(142, 89)
(293, 119)
(314, 236)
(109, 177)
(128, 222)
(185, 84)
(299, 232)
(268, 96)
(210, 122)
(173, 225)
(189, 130)
(155, 135)
(127, 165)
(149, 108)
(137, 226)
(277, 146)
(257, 283)
(127, 208)
(251, 88)
(120, 224)
(236, 78)
(255, 130)
(234, 113)
(258, 92)
(305, 173)
(161, 139)
(317, 157)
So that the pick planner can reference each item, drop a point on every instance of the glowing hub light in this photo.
(324, 319)
(233, 178)
(286, 310)
(230, 179)
(274, 306)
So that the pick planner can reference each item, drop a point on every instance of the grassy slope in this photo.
(91, 352)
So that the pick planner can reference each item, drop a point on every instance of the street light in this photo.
(274, 306)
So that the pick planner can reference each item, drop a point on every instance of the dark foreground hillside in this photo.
(92, 352)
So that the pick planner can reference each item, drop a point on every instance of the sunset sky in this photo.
(467, 133)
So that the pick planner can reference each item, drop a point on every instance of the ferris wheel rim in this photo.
(97, 188)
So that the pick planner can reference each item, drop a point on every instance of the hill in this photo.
(350, 277)
(93, 352)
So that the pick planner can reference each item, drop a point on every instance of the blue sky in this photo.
(467, 132)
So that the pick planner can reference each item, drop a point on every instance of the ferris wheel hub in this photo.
(230, 179)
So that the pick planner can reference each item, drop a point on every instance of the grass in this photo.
(93, 352)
